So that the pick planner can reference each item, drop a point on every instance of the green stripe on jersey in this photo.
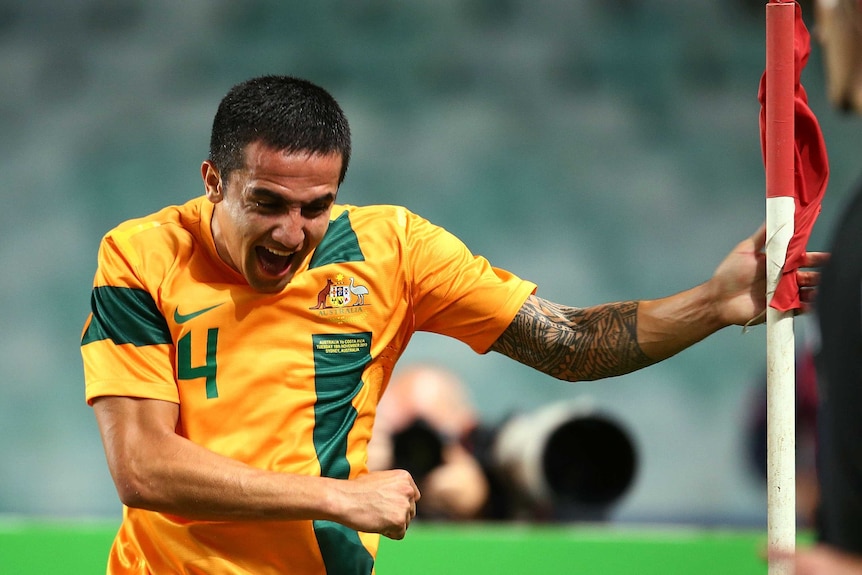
(125, 315)
(339, 245)
(341, 549)
(339, 360)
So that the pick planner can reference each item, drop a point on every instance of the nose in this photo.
(290, 231)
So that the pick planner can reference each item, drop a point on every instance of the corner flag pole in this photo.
(780, 345)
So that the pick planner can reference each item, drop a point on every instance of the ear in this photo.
(212, 182)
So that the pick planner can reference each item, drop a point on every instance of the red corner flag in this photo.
(811, 171)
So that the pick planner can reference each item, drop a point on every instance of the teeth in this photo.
(278, 252)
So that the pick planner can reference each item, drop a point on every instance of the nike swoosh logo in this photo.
(180, 318)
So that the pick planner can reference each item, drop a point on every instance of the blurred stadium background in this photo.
(606, 149)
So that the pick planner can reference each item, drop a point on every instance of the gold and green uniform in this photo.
(286, 382)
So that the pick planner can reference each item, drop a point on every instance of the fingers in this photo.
(759, 238)
(379, 502)
(815, 259)
(807, 282)
(410, 492)
(416, 494)
(397, 532)
(807, 279)
(808, 295)
(411, 509)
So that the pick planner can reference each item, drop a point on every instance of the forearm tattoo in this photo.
(575, 343)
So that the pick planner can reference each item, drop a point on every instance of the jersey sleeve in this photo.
(126, 346)
(457, 293)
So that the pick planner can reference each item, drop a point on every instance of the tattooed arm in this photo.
(612, 339)
(602, 341)
(573, 343)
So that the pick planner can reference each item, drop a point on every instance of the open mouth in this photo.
(274, 262)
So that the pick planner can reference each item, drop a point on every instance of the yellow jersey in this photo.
(284, 382)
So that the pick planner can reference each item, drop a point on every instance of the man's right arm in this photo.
(155, 468)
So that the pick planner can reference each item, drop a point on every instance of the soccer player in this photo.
(239, 343)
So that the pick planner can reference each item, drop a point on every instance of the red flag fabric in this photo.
(811, 171)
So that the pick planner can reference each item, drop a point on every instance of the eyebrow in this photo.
(265, 194)
(269, 195)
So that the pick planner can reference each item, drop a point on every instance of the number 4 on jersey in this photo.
(185, 370)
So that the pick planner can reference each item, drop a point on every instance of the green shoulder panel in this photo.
(125, 315)
(339, 245)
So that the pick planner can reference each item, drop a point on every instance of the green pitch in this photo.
(30, 547)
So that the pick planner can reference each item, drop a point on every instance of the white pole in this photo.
(780, 392)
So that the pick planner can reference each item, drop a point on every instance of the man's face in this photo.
(272, 213)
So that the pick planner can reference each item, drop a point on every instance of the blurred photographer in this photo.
(424, 423)
(565, 461)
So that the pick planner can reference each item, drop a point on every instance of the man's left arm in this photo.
(613, 339)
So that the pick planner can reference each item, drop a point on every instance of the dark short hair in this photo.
(283, 113)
